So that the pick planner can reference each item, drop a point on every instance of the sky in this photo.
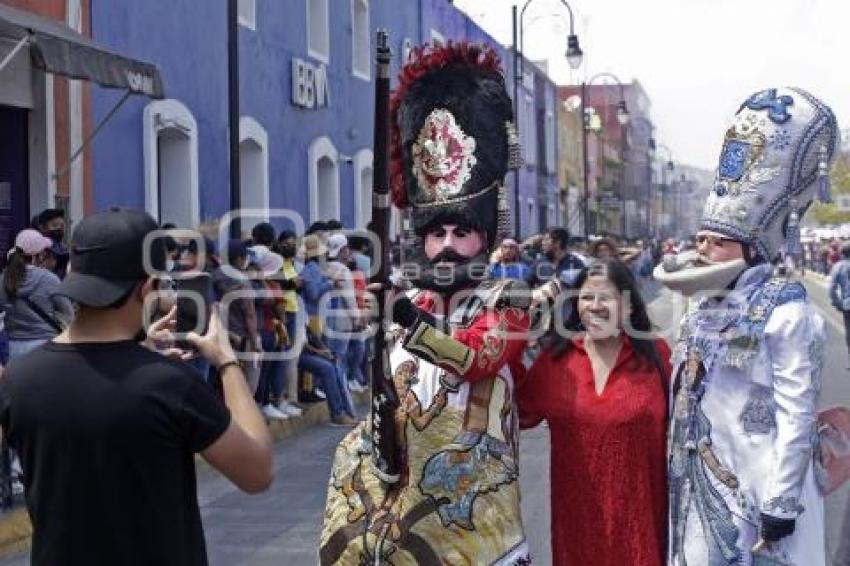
(698, 60)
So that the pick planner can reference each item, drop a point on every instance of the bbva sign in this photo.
(309, 84)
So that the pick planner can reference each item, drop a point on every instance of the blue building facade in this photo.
(536, 111)
(192, 59)
(546, 118)
(306, 101)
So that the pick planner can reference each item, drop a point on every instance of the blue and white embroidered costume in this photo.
(744, 415)
(748, 361)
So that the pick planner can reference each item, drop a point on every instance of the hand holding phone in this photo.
(194, 300)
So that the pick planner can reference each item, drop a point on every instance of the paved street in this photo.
(282, 526)
(836, 391)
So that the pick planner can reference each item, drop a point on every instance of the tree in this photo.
(839, 178)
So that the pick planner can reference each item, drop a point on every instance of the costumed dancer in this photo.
(743, 459)
(455, 337)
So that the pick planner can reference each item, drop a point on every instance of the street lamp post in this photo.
(665, 167)
(680, 223)
(650, 154)
(233, 115)
(622, 118)
(574, 56)
(649, 194)
(584, 167)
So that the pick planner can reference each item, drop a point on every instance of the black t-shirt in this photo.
(106, 433)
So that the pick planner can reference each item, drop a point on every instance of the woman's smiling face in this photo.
(600, 307)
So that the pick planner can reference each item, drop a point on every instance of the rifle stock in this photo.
(386, 459)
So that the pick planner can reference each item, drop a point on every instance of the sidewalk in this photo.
(15, 526)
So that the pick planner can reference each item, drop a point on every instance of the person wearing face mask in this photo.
(54, 257)
(287, 246)
(51, 223)
(242, 313)
(601, 384)
(95, 412)
(745, 482)
(35, 313)
(361, 253)
(344, 324)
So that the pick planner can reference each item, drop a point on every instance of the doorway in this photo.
(14, 174)
(175, 173)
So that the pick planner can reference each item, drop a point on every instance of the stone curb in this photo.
(15, 525)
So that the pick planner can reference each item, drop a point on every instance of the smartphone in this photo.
(194, 300)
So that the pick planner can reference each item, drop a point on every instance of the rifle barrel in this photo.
(386, 457)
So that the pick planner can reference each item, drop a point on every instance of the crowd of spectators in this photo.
(293, 309)
(821, 255)
(554, 253)
(293, 313)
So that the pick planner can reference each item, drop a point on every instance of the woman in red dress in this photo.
(602, 388)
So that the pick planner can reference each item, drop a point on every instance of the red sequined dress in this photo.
(608, 463)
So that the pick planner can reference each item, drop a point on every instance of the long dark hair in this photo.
(621, 277)
(16, 271)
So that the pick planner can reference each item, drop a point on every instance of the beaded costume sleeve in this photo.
(795, 339)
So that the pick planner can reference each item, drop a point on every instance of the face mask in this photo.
(287, 251)
(56, 235)
(169, 264)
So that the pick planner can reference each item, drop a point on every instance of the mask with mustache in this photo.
(447, 272)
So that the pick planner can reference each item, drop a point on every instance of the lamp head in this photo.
(622, 113)
(574, 53)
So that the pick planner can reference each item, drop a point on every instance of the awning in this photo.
(56, 48)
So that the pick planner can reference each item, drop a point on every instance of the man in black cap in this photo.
(106, 429)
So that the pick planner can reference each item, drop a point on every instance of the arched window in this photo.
(247, 13)
(360, 38)
(437, 39)
(171, 163)
(253, 169)
(318, 30)
(362, 188)
(323, 179)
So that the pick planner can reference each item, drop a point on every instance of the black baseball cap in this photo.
(107, 256)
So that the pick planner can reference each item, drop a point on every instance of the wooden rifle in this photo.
(386, 458)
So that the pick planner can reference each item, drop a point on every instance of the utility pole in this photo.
(517, 232)
(233, 113)
(584, 125)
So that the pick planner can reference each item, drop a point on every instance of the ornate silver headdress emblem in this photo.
(443, 157)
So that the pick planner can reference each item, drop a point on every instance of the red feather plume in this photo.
(423, 60)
